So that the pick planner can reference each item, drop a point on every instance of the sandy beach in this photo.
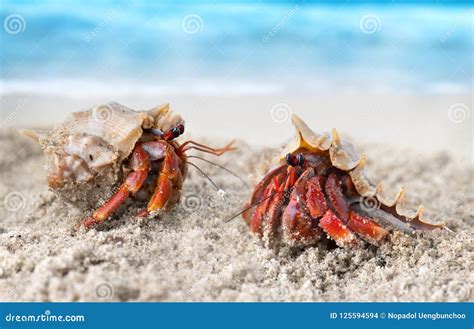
(193, 255)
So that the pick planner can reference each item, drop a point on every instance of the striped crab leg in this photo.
(170, 179)
(339, 223)
(258, 192)
(306, 206)
(267, 214)
(140, 164)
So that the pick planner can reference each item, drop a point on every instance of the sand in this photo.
(193, 255)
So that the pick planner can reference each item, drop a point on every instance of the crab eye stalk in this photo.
(295, 160)
(174, 132)
(180, 128)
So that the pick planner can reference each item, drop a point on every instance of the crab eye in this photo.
(295, 160)
(300, 159)
(181, 128)
(178, 130)
(175, 132)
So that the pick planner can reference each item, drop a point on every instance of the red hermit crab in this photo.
(320, 185)
(94, 149)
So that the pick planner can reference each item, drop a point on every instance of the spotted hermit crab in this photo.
(93, 150)
(320, 186)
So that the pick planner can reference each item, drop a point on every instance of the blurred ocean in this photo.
(234, 48)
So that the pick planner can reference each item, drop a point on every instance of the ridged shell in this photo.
(343, 156)
(94, 142)
(342, 152)
(117, 125)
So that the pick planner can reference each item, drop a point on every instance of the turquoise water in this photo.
(235, 47)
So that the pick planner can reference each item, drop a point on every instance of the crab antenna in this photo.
(249, 207)
(221, 167)
(206, 176)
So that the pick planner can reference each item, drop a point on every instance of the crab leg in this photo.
(140, 164)
(315, 198)
(258, 216)
(266, 215)
(298, 221)
(170, 180)
(279, 200)
(186, 146)
(336, 229)
(338, 201)
(259, 190)
(366, 228)
(335, 224)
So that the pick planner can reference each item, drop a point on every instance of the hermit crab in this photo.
(95, 149)
(320, 187)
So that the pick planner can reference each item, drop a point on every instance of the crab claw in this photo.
(336, 230)
(337, 199)
(367, 229)
(306, 205)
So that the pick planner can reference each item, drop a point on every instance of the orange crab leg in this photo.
(140, 164)
(260, 212)
(316, 201)
(334, 192)
(336, 230)
(297, 221)
(186, 146)
(368, 229)
(274, 210)
(257, 194)
(274, 197)
(170, 180)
